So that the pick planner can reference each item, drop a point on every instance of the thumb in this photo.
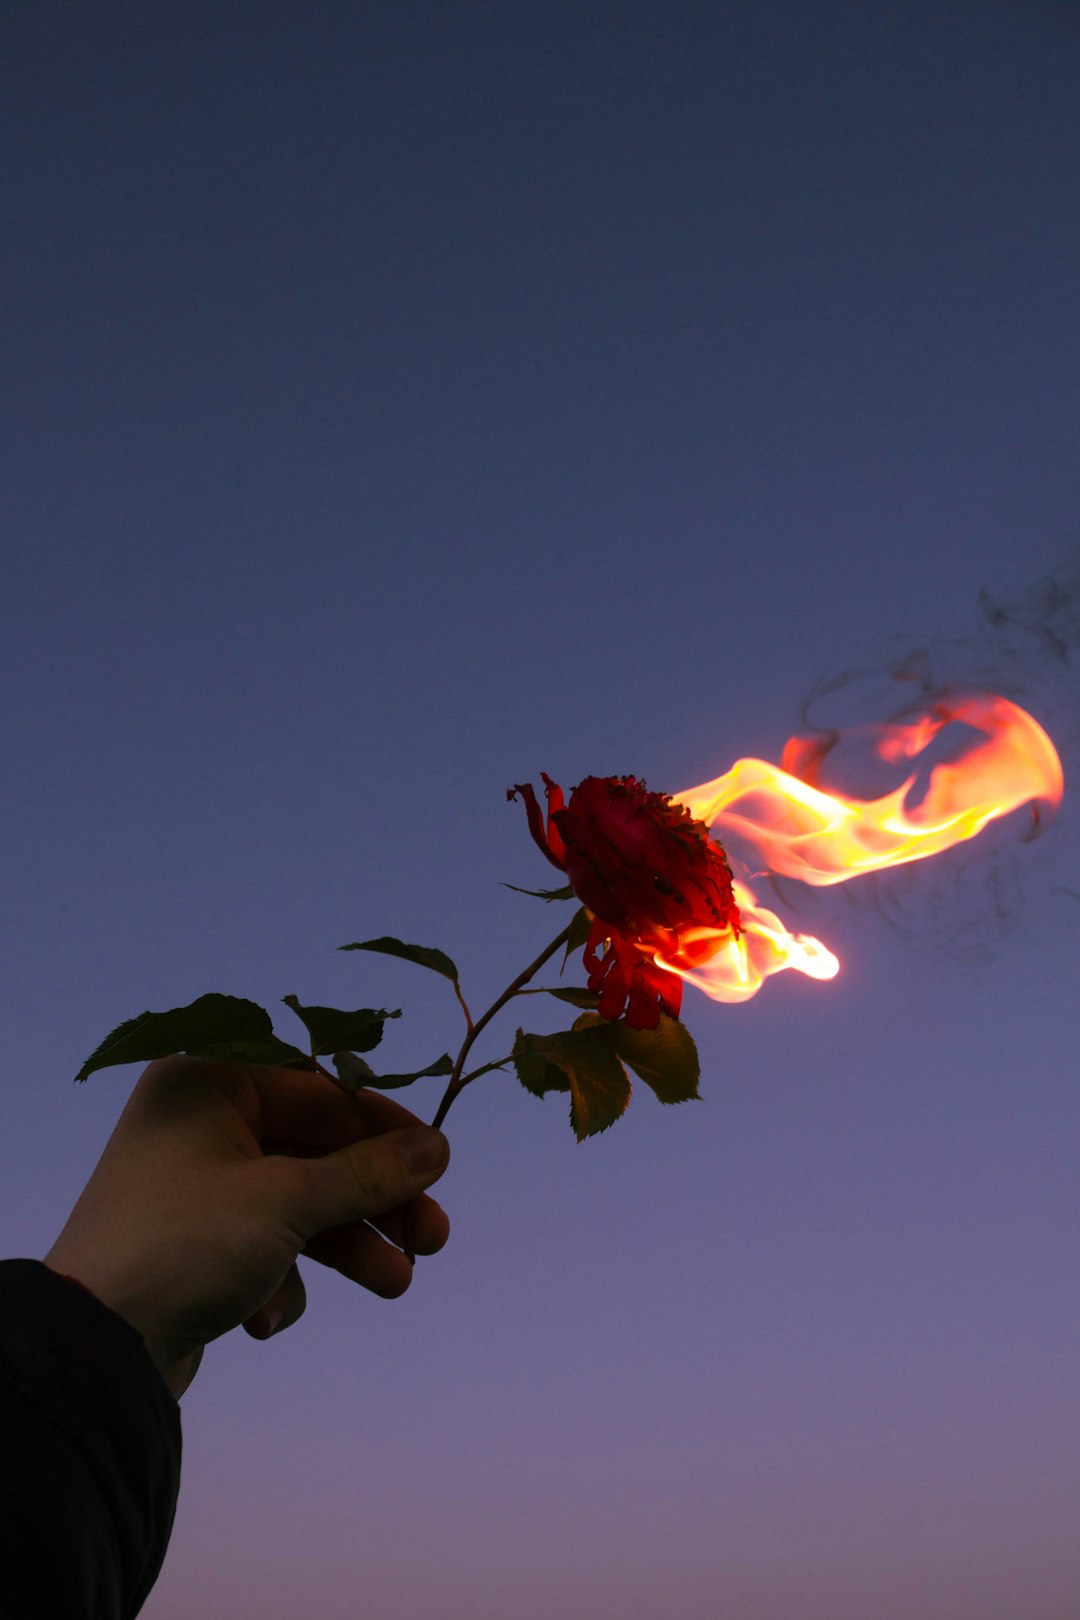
(368, 1178)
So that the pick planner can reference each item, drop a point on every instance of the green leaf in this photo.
(354, 1072)
(598, 1084)
(277, 1054)
(566, 893)
(580, 924)
(423, 955)
(333, 1030)
(208, 1021)
(576, 997)
(535, 1072)
(665, 1057)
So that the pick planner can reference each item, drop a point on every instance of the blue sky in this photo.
(404, 400)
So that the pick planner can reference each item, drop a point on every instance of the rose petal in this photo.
(536, 820)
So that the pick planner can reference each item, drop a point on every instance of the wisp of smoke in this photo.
(969, 902)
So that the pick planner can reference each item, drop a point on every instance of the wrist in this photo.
(175, 1371)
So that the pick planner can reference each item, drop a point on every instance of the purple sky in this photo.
(404, 400)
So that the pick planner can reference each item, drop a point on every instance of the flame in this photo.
(800, 829)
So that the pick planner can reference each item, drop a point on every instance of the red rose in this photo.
(654, 880)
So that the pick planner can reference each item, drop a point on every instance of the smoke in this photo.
(1010, 883)
(1045, 617)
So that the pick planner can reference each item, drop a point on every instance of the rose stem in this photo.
(458, 1081)
(457, 1084)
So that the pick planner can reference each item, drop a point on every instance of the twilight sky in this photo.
(408, 398)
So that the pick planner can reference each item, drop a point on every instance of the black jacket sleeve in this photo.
(89, 1454)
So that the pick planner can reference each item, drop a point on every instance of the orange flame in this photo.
(801, 830)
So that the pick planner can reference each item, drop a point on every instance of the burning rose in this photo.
(654, 881)
(657, 907)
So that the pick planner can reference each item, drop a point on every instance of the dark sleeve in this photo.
(89, 1454)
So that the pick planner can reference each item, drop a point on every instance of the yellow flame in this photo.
(801, 830)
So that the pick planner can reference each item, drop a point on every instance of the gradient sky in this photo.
(404, 399)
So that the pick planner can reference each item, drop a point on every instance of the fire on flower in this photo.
(653, 880)
(798, 829)
(664, 904)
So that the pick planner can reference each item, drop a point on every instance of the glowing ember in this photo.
(801, 830)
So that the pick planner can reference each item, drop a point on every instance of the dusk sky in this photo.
(407, 398)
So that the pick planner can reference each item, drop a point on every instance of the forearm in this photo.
(90, 1449)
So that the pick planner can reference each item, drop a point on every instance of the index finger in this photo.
(303, 1112)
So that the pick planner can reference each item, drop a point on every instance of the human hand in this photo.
(218, 1175)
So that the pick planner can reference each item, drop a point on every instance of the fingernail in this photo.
(423, 1149)
(273, 1319)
